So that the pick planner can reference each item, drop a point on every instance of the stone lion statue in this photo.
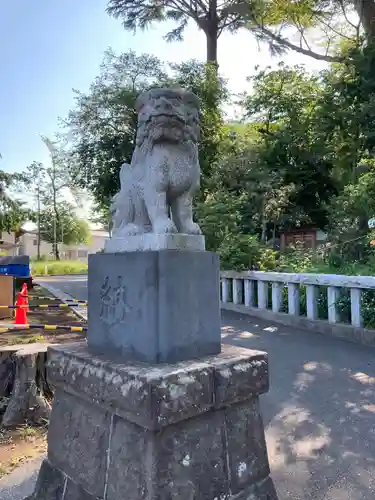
(157, 187)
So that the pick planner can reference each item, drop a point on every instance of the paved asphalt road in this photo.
(320, 412)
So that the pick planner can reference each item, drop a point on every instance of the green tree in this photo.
(101, 128)
(13, 212)
(56, 183)
(347, 113)
(50, 186)
(242, 174)
(211, 16)
(35, 183)
(286, 104)
(68, 229)
(101, 215)
(348, 217)
(277, 23)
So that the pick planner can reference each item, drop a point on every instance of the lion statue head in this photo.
(167, 115)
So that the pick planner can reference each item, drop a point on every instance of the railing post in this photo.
(333, 294)
(277, 289)
(311, 305)
(249, 293)
(224, 289)
(355, 307)
(236, 291)
(293, 299)
(262, 294)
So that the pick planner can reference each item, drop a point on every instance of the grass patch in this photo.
(58, 267)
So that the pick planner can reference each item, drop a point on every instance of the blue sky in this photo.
(48, 47)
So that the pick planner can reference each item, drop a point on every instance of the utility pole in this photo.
(38, 212)
(55, 189)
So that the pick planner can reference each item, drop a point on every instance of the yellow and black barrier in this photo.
(45, 306)
(35, 326)
(54, 298)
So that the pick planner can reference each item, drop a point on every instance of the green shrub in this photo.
(239, 252)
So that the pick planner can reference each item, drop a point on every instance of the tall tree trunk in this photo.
(366, 13)
(211, 47)
(56, 220)
(212, 32)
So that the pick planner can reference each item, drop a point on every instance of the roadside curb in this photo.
(81, 312)
(58, 275)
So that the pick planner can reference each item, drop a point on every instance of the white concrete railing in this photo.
(238, 289)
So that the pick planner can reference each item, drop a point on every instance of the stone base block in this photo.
(54, 484)
(155, 242)
(189, 431)
(154, 307)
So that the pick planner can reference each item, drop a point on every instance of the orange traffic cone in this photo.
(22, 300)
(25, 295)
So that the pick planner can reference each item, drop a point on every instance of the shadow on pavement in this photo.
(320, 412)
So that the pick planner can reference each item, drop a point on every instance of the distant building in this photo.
(25, 242)
(308, 237)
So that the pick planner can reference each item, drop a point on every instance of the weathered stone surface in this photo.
(157, 396)
(184, 459)
(237, 375)
(131, 448)
(194, 453)
(144, 432)
(75, 492)
(154, 307)
(53, 484)
(50, 484)
(164, 173)
(78, 439)
(246, 445)
(155, 242)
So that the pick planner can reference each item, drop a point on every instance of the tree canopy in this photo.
(56, 220)
(68, 229)
(101, 128)
(283, 25)
(302, 154)
(13, 212)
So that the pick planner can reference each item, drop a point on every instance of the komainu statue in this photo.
(157, 187)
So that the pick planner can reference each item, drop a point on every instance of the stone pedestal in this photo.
(154, 306)
(151, 241)
(187, 431)
(150, 408)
